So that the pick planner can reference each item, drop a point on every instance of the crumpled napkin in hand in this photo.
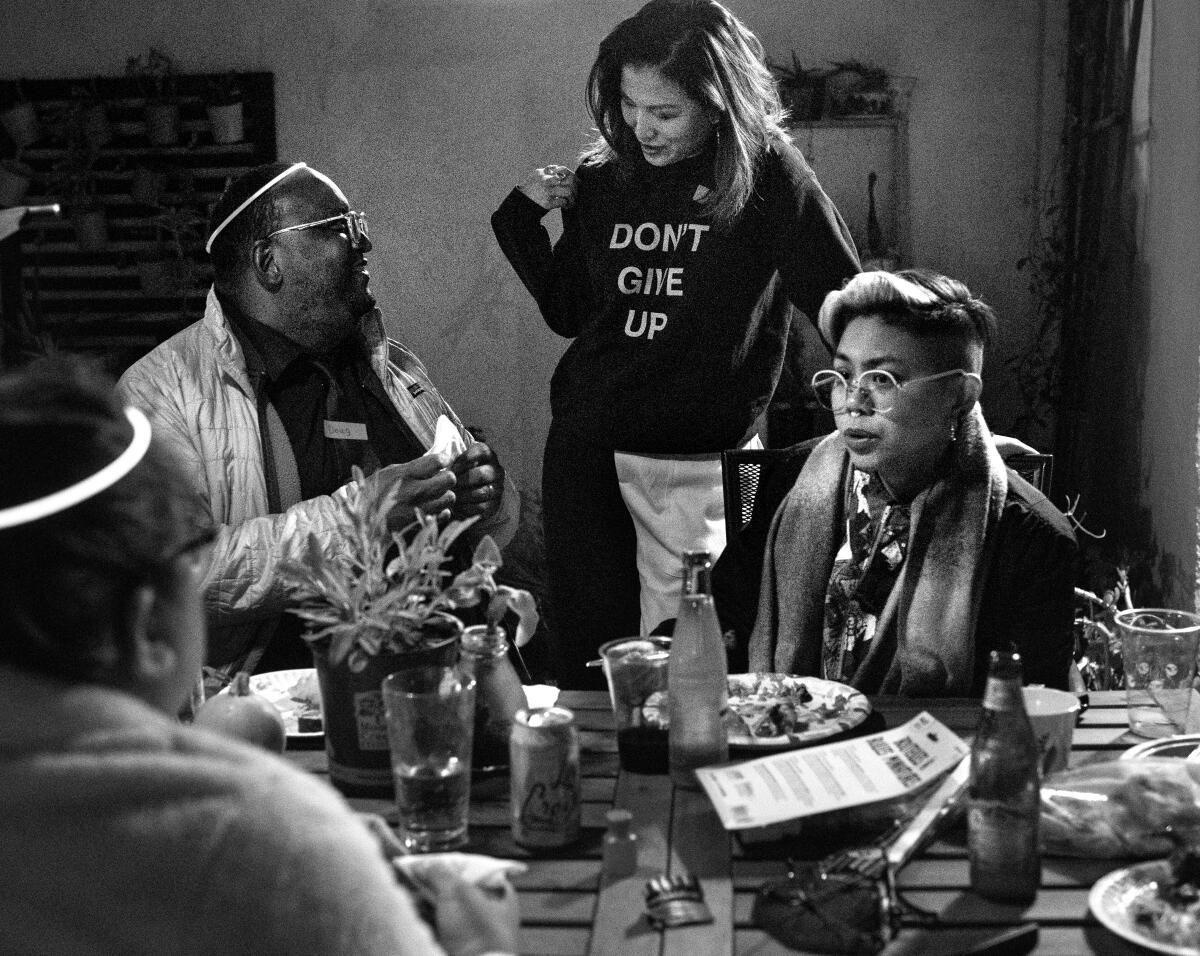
(423, 870)
(448, 442)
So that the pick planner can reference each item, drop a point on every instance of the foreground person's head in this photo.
(289, 253)
(908, 353)
(101, 552)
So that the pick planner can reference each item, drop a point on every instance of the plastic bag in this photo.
(1120, 809)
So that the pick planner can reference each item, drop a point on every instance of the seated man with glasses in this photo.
(287, 382)
(905, 551)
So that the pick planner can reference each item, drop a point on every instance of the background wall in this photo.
(427, 111)
(1170, 246)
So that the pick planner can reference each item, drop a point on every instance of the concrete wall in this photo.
(1171, 249)
(426, 111)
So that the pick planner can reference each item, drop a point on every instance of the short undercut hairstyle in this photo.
(923, 303)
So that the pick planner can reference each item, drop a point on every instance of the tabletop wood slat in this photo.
(700, 847)
(621, 927)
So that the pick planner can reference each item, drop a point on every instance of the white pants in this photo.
(677, 505)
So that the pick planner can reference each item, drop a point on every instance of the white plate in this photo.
(1113, 897)
(828, 708)
(1184, 746)
(275, 687)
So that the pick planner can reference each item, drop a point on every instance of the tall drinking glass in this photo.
(1159, 648)
(430, 719)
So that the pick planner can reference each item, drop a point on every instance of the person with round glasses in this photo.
(286, 384)
(906, 551)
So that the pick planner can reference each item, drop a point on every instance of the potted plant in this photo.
(170, 268)
(385, 603)
(19, 118)
(74, 178)
(223, 102)
(856, 89)
(801, 90)
(155, 75)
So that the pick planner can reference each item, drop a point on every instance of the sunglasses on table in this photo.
(353, 222)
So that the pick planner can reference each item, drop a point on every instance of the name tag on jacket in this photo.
(356, 431)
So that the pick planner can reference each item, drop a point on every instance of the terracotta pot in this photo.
(226, 123)
(21, 123)
(356, 741)
(162, 124)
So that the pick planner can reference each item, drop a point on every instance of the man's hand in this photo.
(425, 484)
(480, 482)
(473, 919)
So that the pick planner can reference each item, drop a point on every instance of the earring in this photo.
(954, 431)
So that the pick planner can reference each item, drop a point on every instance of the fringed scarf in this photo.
(924, 637)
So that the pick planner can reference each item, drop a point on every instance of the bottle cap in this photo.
(618, 820)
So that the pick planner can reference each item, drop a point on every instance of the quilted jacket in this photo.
(200, 398)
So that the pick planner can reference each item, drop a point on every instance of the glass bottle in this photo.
(1002, 820)
(620, 855)
(697, 690)
(498, 693)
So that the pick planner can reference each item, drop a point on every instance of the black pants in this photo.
(591, 556)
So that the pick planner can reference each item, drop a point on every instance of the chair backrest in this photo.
(745, 472)
(1036, 469)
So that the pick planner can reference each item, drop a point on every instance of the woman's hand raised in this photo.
(551, 187)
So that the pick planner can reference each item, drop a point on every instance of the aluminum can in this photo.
(544, 775)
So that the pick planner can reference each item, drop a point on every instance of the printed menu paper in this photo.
(850, 773)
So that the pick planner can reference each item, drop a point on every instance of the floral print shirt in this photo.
(864, 571)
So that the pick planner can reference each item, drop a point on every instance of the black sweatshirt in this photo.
(680, 327)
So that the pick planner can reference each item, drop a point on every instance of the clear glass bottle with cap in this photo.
(620, 854)
(697, 689)
(1004, 807)
(483, 653)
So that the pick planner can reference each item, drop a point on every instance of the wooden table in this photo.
(565, 910)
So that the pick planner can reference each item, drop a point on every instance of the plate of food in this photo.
(777, 711)
(1154, 904)
(296, 696)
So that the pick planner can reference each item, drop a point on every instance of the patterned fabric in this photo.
(864, 572)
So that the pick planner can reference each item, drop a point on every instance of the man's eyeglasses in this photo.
(879, 385)
(355, 226)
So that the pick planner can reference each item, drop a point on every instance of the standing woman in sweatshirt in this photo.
(688, 227)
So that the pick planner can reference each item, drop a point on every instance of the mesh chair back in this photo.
(745, 472)
(1036, 469)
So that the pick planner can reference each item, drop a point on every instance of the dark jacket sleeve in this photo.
(555, 277)
(814, 251)
(1029, 602)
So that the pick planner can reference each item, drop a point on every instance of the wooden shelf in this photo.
(95, 299)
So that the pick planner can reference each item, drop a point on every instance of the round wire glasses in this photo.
(877, 384)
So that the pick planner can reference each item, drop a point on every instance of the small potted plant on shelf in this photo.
(858, 89)
(386, 602)
(155, 75)
(19, 117)
(75, 181)
(801, 90)
(223, 101)
(170, 267)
